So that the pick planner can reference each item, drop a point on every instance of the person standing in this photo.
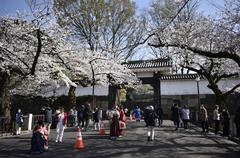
(75, 113)
(203, 116)
(114, 126)
(237, 121)
(226, 122)
(175, 116)
(71, 118)
(151, 116)
(185, 112)
(216, 118)
(122, 121)
(87, 115)
(47, 118)
(80, 116)
(100, 116)
(61, 124)
(160, 115)
(19, 121)
(137, 114)
(96, 119)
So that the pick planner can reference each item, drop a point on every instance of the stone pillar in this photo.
(30, 118)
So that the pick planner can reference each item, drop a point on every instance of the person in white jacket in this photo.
(216, 118)
(61, 124)
(185, 112)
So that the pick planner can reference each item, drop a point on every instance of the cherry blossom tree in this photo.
(212, 46)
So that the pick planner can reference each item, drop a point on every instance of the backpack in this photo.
(151, 119)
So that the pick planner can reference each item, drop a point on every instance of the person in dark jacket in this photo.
(160, 115)
(175, 115)
(47, 117)
(150, 119)
(80, 115)
(96, 119)
(226, 122)
(237, 121)
(19, 121)
(87, 115)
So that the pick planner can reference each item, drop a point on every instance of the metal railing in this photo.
(9, 127)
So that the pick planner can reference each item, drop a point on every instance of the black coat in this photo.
(37, 143)
(150, 118)
(175, 114)
(48, 115)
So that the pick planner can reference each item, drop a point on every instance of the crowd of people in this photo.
(117, 117)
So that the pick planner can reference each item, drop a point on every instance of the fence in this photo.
(9, 127)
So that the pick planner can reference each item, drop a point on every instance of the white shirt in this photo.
(185, 114)
(216, 115)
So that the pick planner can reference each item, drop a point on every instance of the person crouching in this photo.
(39, 141)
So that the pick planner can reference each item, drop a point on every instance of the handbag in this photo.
(122, 125)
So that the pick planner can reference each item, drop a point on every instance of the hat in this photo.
(151, 107)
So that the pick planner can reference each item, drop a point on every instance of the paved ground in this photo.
(169, 143)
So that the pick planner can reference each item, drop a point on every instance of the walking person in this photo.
(150, 117)
(47, 118)
(203, 116)
(216, 118)
(19, 121)
(237, 121)
(61, 124)
(185, 112)
(225, 122)
(160, 115)
(175, 116)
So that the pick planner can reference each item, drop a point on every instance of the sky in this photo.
(9, 7)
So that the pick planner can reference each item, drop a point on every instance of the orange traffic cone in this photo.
(79, 141)
(102, 130)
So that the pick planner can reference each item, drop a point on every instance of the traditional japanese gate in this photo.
(149, 72)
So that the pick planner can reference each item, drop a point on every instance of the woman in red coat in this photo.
(122, 121)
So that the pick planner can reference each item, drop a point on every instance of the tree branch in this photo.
(220, 54)
(39, 47)
(232, 90)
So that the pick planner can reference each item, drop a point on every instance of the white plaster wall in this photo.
(80, 91)
(182, 87)
(168, 87)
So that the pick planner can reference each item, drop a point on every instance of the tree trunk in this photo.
(113, 96)
(220, 100)
(72, 97)
(5, 104)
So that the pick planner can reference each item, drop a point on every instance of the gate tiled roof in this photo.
(156, 63)
(179, 76)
